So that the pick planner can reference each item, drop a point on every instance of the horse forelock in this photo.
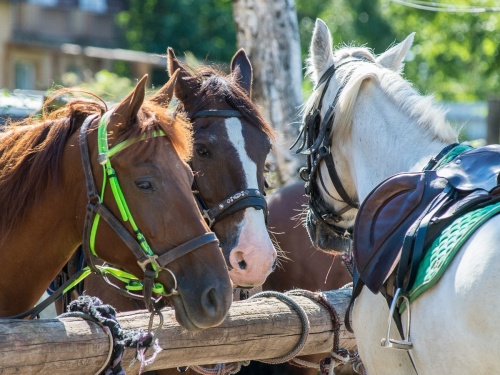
(153, 117)
(218, 87)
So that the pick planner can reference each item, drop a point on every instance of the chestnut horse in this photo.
(231, 143)
(149, 217)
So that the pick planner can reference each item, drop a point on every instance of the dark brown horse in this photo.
(304, 267)
(47, 198)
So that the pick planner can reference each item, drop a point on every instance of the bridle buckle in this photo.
(150, 259)
(210, 221)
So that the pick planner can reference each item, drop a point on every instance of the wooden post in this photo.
(254, 329)
(493, 129)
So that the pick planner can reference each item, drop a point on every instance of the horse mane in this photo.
(215, 84)
(401, 92)
(31, 150)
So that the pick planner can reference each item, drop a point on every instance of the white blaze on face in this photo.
(253, 256)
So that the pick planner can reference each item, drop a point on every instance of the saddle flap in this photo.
(475, 169)
(383, 220)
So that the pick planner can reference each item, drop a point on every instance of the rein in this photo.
(236, 202)
(149, 262)
(316, 144)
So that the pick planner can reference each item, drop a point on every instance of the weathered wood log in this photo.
(254, 329)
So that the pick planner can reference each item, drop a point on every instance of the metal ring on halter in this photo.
(174, 291)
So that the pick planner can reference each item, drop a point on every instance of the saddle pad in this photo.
(444, 248)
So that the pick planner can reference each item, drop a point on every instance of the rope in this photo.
(326, 366)
(92, 308)
(306, 326)
(234, 367)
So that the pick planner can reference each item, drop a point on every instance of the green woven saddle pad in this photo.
(445, 246)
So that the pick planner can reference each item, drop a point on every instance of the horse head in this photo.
(336, 133)
(231, 143)
(132, 199)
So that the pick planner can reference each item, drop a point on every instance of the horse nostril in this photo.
(242, 264)
(209, 302)
(274, 264)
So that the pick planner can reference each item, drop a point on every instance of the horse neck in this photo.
(385, 141)
(37, 249)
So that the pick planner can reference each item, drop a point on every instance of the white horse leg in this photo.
(369, 319)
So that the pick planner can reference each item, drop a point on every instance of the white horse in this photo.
(381, 127)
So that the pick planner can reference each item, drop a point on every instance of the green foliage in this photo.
(203, 27)
(109, 86)
(455, 56)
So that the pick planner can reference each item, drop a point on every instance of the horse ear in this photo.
(164, 95)
(320, 50)
(185, 86)
(242, 69)
(393, 58)
(126, 111)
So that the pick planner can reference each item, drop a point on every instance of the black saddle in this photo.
(402, 216)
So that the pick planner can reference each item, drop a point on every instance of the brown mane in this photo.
(31, 150)
(215, 84)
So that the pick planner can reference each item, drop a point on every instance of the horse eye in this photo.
(202, 151)
(144, 185)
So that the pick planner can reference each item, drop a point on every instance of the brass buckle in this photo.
(392, 343)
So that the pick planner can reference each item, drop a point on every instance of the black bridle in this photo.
(150, 264)
(316, 135)
(235, 202)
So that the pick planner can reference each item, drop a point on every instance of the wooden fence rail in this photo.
(254, 329)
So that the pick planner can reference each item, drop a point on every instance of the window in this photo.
(25, 75)
(96, 6)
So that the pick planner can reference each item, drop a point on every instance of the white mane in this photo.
(397, 89)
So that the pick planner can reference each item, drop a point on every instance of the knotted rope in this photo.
(92, 308)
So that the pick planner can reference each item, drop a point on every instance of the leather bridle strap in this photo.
(236, 202)
(226, 113)
(96, 207)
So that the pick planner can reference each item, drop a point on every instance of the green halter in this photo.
(104, 158)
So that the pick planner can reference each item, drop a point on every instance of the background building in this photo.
(40, 40)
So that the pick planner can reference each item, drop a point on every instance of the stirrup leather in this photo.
(392, 343)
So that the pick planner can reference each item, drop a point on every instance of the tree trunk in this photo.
(268, 31)
(260, 328)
